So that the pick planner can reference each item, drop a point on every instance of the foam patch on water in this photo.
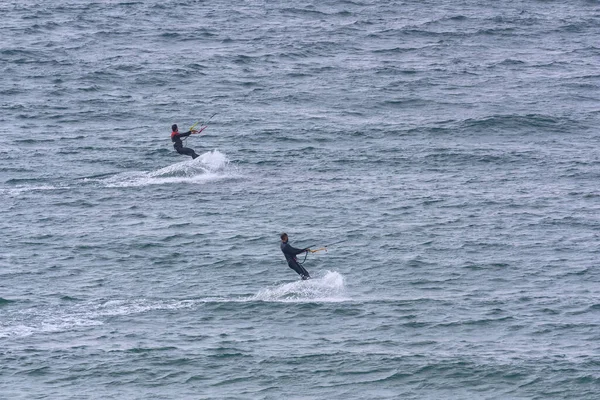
(16, 191)
(214, 160)
(327, 288)
(210, 166)
(60, 319)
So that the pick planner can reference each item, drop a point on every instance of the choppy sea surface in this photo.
(452, 146)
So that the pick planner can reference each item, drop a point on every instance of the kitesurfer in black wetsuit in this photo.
(290, 255)
(178, 145)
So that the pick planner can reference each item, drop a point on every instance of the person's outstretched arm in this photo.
(294, 251)
(181, 135)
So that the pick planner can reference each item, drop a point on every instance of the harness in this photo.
(303, 261)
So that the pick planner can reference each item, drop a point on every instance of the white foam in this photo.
(62, 319)
(210, 166)
(214, 160)
(16, 191)
(126, 307)
(328, 288)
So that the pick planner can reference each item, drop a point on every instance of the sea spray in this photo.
(328, 288)
(210, 166)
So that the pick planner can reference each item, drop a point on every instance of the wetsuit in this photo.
(178, 145)
(290, 255)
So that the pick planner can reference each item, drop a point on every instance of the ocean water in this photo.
(452, 146)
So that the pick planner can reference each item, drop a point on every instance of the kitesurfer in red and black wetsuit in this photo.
(178, 145)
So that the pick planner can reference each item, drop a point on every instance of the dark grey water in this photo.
(453, 146)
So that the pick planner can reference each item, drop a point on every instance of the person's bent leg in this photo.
(296, 268)
(304, 274)
(187, 151)
(300, 270)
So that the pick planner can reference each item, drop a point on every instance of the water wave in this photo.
(5, 301)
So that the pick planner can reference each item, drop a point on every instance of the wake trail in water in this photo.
(61, 318)
(327, 288)
(210, 166)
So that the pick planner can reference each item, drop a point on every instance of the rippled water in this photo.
(452, 146)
